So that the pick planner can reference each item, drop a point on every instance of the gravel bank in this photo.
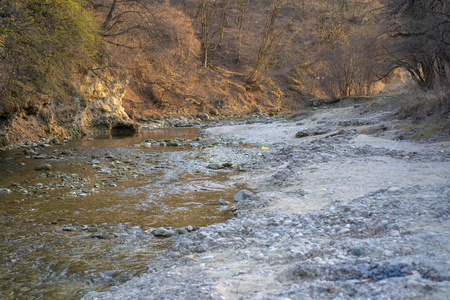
(336, 215)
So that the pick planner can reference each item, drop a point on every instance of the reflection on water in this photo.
(124, 138)
(85, 224)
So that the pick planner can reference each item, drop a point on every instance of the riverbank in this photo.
(342, 209)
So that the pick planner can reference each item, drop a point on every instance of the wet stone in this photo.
(92, 229)
(302, 133)
(40, 156)
(44, 167)
(172, 144)
(69, 228)
(214, 166)
(104, 236)
(182, 231)
(223, 202)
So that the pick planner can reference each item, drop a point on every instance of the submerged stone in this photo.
(44, 167)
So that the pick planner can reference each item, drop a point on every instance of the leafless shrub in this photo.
(418, 39)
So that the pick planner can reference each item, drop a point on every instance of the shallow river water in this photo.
(86, 224)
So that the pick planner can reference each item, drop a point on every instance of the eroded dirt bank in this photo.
(336, 214)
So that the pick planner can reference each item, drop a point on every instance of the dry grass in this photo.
(429, 114)
(420, 106)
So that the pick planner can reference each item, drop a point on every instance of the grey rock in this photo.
(227, 165)
(208, 141)
(343, 231)
(430, 235)
(162, 232)
(40, 156)
(203, 116)
(179, 122)
(247, 223)
(394, 233)
(358, 251)
(182, 230)
(174, 254)
(223, 202)
(302, 133)
(69, 228)
(103, 236)
(243, 195)
(214, 166)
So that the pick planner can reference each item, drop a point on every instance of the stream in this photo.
(87, 223)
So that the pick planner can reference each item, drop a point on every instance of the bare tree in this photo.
(242, 6)
(223, 21)
(207, 14)
(269, 43)
(419, 39)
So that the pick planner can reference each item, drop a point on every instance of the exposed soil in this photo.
(336, 214)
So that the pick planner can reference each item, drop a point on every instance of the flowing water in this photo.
(86, 224)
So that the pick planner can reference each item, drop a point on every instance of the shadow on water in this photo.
(86, 224)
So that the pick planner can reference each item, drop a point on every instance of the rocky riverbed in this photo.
(340, 208)
(84, 215)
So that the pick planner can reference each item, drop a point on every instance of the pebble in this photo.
(174, 254)
(394, 189)
(182, 230)
(259, 256)
(247, 223)
(343, 231)
(358, 251)
(69, 228)
(214, 166)
(104, 236)
(394, 233)
(223, 202)
(430, 235)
